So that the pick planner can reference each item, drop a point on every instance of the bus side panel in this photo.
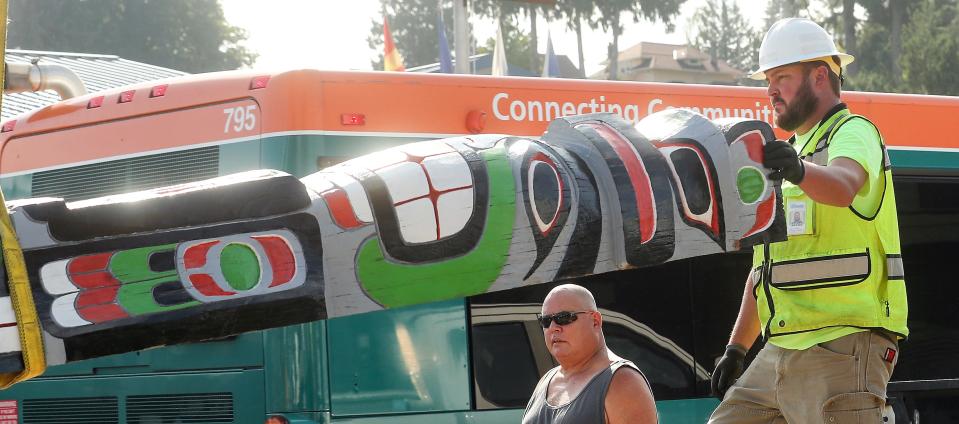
(215, 397)
(411, 359)
(295, 365)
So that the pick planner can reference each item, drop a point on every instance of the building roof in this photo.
(98, 72)
(646, 56)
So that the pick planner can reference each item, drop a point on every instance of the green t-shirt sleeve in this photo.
(858, 140)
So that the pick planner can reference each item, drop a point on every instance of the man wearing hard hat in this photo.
(831, 300)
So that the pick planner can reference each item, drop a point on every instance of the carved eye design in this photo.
(545, 189)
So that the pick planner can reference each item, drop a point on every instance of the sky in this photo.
(331, 34)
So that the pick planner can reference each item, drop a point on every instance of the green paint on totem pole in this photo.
(137, 281)
(240, 266)
(751, 184)
(394, 285)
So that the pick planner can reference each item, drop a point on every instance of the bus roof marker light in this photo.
(8, 126)
(95, 102)
(126, 96)
(353, 119)
(259, 82)
(158, 91)
(475, 121)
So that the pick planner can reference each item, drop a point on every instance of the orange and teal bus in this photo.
(472, 360)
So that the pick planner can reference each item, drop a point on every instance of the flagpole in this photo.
(461, 37)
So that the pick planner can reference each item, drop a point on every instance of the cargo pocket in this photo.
(853, 408)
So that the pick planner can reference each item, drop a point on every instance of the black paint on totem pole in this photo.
(388, 228)
(583, 248)
(551, 197)
(694, 174)
(249, 196)
(660, 244)
(203, 322)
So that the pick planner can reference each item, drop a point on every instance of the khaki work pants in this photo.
(837, 382)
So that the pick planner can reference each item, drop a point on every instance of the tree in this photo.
(413, 27)
(575, 12)
(720, 30)
(511, 11)
(930, 53)
(518, 46)
(610, 14)
(781, 9)
(189, 35)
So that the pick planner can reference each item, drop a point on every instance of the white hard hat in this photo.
(794, 40)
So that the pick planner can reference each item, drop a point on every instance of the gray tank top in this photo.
(588, 407)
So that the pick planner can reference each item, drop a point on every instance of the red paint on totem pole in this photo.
(754, 145)
(97, 296)
(94, 280)
(195, 256)
(642, 187)
(281, 258)
(204, 284)
(89, 263)
(341, 209)
(102, 313)
(764, 214)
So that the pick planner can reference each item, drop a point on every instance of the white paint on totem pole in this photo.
(318, 182)
(544, 226)
(426, 148)
(54, 350)
(7, 314)
(30, 233)
(10, 339)
(53, 277)
(454, 210)
(448, 171)
(341, 288)
(417, 221)
(404, 181)
(354, 193)
(383, 158)
(64, 312)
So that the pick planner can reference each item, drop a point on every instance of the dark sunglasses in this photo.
(561, 318)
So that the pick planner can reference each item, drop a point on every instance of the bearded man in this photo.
(831, 299)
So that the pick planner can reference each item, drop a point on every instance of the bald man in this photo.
(591, 384)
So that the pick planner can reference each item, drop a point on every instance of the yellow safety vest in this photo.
(846, 270)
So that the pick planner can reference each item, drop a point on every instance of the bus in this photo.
(472, 360)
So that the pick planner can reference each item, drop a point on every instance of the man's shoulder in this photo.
(629, 398)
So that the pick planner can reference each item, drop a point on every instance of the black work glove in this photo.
(782, 158)
(729, 368)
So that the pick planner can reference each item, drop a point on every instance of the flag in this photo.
(551, 64)
(500, 68)
(392, 61)
(446, 60)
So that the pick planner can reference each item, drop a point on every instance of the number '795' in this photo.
(240, 118)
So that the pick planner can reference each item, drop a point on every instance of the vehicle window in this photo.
(503, 362)
(667, 373)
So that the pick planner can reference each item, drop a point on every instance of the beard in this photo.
(799, 109)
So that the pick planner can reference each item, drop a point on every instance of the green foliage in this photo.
(518, 45)
(188, 35)
(930, 53)
(609, 18)
(413, 27)
(721, 31)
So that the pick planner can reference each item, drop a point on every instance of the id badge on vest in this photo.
(799, 212)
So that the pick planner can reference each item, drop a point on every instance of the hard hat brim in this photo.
(760, 74)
